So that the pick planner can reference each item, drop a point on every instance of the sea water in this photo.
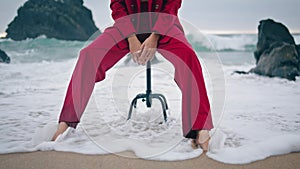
(255, 117)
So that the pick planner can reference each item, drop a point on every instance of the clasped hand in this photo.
(141, 53)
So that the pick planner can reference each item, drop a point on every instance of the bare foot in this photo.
(202, 140)
(62, 127)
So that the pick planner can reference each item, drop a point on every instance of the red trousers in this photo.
(107, 50)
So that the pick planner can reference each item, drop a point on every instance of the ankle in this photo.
(203, 136)
(62, 127)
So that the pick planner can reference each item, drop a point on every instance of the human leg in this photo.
(91, 66)
(196, 115)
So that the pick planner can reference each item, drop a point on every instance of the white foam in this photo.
(254, 151)
(261, 116)
(44, 134)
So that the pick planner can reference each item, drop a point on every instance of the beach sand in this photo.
(64, 160)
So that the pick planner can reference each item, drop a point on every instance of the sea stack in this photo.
(60, 19)
(276, 55)
(3, 57)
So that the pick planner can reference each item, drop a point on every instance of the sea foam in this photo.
(260, 117)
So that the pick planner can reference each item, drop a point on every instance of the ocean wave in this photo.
(221, 43)
(47, 49)
(208, 42)
(40, 49)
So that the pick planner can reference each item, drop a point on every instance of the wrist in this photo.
(155, 35)
(132, 37)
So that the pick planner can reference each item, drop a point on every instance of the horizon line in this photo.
(214, 32)
(228, 32)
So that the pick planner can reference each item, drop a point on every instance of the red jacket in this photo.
(164, 24)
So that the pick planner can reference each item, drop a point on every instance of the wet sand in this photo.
(65, 160)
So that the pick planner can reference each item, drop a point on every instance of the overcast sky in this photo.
(207, 15)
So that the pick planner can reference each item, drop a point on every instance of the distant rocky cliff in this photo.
(60, 19)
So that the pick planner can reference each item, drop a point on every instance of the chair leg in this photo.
(131, 107)
(164, 98)
(160, 97)
(133, 104)
(148, 96)
(163, 102)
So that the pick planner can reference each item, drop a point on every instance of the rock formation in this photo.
(60, 19)
(3, 57)
(276, 55)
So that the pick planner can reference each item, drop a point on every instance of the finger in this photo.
(150, 55)
(143, 51)
(143, 56)
(138, 52)
(135, 55)
(142, 48)
(147, 60)
(132, 56)
(135, 58)
(143, 61)
(153, 51)
(142, 45)
(140, 61)
(147, 57)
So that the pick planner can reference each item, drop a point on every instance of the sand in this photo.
(64, 160)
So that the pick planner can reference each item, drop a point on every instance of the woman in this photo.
(142, 34)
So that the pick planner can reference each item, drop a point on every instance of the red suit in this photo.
(112, 45)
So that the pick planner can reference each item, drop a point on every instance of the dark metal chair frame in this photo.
(148, 96)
